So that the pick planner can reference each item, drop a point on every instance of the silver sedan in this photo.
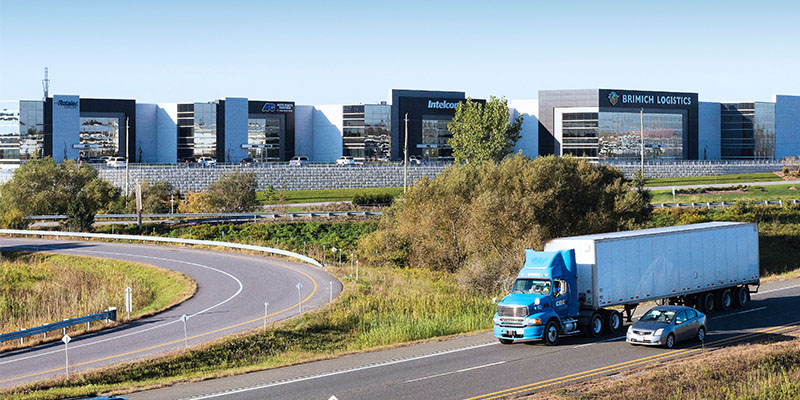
(667, 325)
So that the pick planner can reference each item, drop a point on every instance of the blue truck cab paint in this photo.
(542, 299)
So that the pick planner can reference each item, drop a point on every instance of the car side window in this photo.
(691, 314)
(680, 318)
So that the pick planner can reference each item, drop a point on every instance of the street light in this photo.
(405, 158)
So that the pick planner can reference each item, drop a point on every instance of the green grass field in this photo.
(754, 193)
(313, 196)
(701, 180)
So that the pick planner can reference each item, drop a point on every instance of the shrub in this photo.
(372, 199)
(13, 218)
(234, 192)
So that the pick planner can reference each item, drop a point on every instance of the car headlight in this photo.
(532, 321)
(630, 328)
(658, 332)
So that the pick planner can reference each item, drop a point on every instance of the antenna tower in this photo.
(46, 85)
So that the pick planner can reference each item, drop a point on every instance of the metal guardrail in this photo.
(218, 216)
(110, 315)
(724, 204)
(159, 239)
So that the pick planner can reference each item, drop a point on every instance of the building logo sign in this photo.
(613, 97)
(442, 105)
(278, 107)
(67, 104)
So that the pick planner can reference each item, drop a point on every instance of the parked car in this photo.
(345, 160)
(414, 160)
(115, 162)
(247, 161)
(207, 161)
(299, 161)
(667, 325)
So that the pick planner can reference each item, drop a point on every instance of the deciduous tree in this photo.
(483, 132)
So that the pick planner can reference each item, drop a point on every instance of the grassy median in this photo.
(39, 288)
(385, 308)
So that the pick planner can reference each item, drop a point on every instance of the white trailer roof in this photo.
(653, 231)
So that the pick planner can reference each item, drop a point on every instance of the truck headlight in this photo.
(532, 321)
(658, 332)
(496, 320)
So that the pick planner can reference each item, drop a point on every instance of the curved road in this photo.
(477, 367)
(231, 292)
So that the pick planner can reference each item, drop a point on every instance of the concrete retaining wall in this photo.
(698, 168)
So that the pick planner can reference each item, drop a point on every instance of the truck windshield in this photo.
(658, 316)
(531, 286)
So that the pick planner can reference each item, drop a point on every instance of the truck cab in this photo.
(543, 302)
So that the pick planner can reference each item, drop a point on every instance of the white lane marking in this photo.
(776, 290)
(740, 312)
(455, 372)
(138, 331)
(346, 371)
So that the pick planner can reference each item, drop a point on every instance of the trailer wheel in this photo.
(725, 300)
(707, 302)
(595, 327)
(742, 296)
(613, 321)
(551, 334)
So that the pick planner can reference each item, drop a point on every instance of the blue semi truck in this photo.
(580, 284)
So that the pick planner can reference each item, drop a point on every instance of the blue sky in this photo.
(330, 52)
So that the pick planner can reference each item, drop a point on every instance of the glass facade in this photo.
(748, 130)
(197, 130)
(31, 129)
(101, 134)
(9, 131)
(435, 137)
(619, 136)
(366, 131)
(263, 134)
(579, 134)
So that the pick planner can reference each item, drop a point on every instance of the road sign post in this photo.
(299, 298)
(266, 312)
(128, 301)
(185, 336)
(66, 340)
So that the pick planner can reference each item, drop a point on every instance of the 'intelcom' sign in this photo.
(443, 105)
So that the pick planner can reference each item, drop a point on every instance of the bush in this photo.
(234, 192)
(156, 197)
(196, 202)
(13, 218)
(372, 199)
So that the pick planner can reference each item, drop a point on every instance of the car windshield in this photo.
(655, 315)
(531, 286)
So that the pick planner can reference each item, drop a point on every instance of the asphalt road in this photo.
(477, 367)
(231, 292)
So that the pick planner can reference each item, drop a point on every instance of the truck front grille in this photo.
(512, 311)
(513, 322)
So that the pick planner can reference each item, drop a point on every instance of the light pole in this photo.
(405, 158)
(641, 133)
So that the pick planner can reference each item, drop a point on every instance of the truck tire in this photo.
(613, 321)
(707, 303)
(595, 327)
(725, 300)
(742, 296)
(506, 341)
(550, 335)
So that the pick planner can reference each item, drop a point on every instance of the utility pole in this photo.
(127, 161)
(641, 133)
(405, 158)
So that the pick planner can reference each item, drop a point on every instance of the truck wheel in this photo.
(707, 302)
(670, 343)
(550, 334)
(742, 296)
(613, 321)
(725, 300)
(506, 341)
(595, 327)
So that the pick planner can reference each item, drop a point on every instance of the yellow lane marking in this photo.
(190, 337)
(627, 364)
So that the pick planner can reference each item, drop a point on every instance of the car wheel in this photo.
(725, 300)
(613, 321)
(506, 341)
(595, 327)
(701, 334)
(707, 302)
(670, 343)
(742, 296)
(551, 334)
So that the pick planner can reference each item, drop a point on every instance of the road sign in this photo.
(66, 339)
(184, 318)
(299, 286)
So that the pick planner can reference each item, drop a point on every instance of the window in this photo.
(680, 318)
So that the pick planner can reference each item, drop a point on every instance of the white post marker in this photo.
(185, 337)
(266, 307)
(66, 340)
(299, 298)
(128, 301)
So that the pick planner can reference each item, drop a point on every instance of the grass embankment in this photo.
(769, 370)
(733, 193)
(40, 288)
(702, 180)
(386, 307)
(320, 195)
